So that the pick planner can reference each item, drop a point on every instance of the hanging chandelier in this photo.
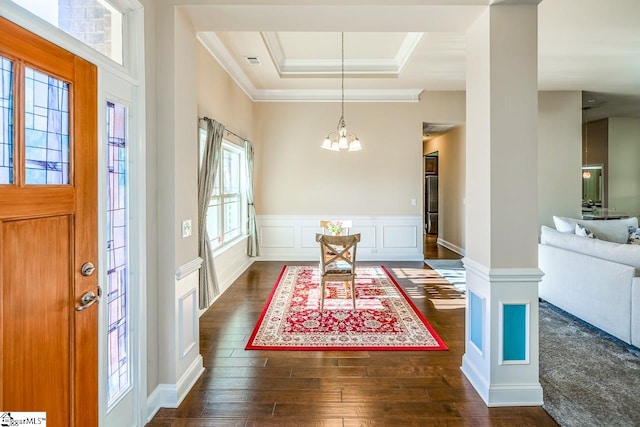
(342, 140)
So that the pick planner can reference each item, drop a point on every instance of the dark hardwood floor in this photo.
(346, 388)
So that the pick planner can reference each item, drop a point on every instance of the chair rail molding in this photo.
(188, 268)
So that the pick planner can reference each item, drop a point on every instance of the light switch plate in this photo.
(186, 228)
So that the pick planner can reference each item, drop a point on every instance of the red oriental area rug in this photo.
(385, 319)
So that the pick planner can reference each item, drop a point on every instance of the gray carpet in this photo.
(588, 377)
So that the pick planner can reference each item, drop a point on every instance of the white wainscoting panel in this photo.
(367, 236)
(274, 236)
(187, 353)
(187, 323)
(308, 234)
(403, 236)
(383, 238)
(187, 360)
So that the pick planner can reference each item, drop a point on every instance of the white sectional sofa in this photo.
(596, 280)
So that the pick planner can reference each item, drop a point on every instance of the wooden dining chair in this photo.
(338, 263)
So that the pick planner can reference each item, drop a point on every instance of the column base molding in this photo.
(502, 394)
(501, 334)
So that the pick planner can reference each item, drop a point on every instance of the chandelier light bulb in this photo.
(355, 145)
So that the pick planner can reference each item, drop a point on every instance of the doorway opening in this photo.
(431, 193)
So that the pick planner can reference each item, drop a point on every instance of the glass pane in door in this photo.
(118, 310)
(6, 121)
(46, 128)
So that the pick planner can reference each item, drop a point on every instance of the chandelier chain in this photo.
(342, 139)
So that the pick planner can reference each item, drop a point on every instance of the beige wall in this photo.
(185, 149)
(220, 98)
(299, 178)
(624, 172)
(478, 125)
(446, 107)
(559, 161)
(451, 184)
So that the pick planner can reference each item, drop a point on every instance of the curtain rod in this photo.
(225, 129)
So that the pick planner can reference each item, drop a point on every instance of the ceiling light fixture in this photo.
(342, 140)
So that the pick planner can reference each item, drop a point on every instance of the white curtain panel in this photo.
(253, 246)
(206, 182)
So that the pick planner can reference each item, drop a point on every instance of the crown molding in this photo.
(407, 47)
(331, 95)
(332, 67)
(328, 67)
(216, 48)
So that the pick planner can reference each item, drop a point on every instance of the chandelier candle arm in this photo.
(342, 140)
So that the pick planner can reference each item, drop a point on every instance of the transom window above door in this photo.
(96, 23)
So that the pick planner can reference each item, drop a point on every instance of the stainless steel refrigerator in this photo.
(431, 204)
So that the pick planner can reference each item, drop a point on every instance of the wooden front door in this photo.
(48, 230)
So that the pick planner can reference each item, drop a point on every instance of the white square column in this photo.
(501, 331)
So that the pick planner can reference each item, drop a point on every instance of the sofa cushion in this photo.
(621, 253)
(613, 230)
(634, 236)
(584, 232)
(564, 225)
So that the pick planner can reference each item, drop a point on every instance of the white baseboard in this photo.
(171, 395)
(451, 246)
(228, 281)
(515, 395)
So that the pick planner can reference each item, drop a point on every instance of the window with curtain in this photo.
(227, 214)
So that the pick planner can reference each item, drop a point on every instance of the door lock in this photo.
(87, 269)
